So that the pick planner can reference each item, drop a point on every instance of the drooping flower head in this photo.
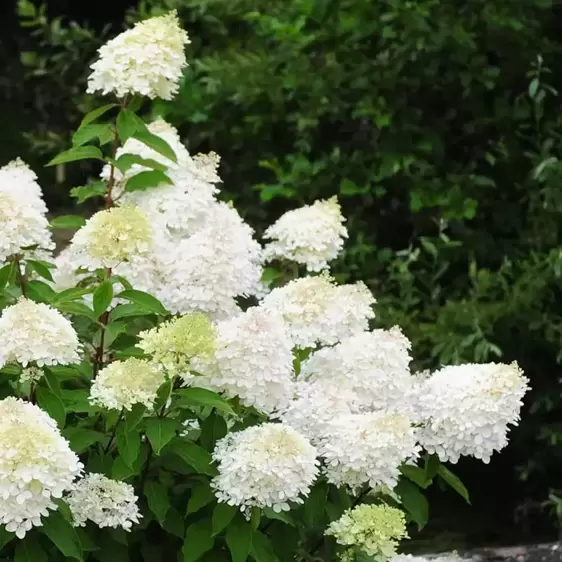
(316, 310)
(36, 465)
(253, 360)
(105, 502)
(267, 465)
(112, 236)
(468, 409)
(174, 344)
(148, 60)
(33, 332)
(374, 529)
(122, 384)
(312, 235)
(367, 448)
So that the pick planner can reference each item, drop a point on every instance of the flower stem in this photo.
(114, 432)
(20, 275)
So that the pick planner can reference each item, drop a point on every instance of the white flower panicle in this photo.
(112, 236)
(174, 344)
(105, 502)
(31, 375)
(467, 409)
(316, 310)
(148, 60)
(122, 384)
(367, 448)
(268, 465)
(374, 529)
(36, 465)
(33, 332)
(374, 364)
(20, 181)
(312, 235)
(253, 360)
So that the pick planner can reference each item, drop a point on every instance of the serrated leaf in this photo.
(63, 535)
(454, 482)
(148, 301)
(201, 496)
(414, 502)
(80, 439)
(96, 113)
(156, 143)
(29, 551)
(202, 397)
(128, 445)
(160, 432)
(158, 501)
(79, 153)
(223, 514)
(239, 539)
(40, 269)
(85, 192)
(68, 222)
(85, 134)
(146, 180)
(198, 540)
(52, 404)
(103, 296)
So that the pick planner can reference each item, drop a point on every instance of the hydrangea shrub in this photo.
(174, 389)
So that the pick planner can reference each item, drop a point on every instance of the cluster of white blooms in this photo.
(36, 465)
(33, 332)
(367, 448)
(316, 310)
(253, 360)
(148, 60)
(374, 529)
(312, 235)
(105, 502)
(375, 365)
(122, 384)
(467, 409)
(23, 221)
(174, 345)
(112, 236)
(267, 465)
(31, 375)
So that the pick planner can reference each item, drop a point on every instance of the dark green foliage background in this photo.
(436, 122)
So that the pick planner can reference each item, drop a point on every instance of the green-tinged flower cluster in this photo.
(174, 344)
(375, 529)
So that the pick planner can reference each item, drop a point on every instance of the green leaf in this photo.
(76, 308)
(30, 551)
(414, 502)
(239, 539)
(74, 154)
(174, 523)
(201, 496)
(121, 470)
(194, 455)
(85, 192)
(96, 113)
(454, 482)
(415, 474)
(262, 549)
(144, 299)
(113, 330)
(212, 429)
(203, 397)
(158, 501)
(146, 180)
(134, 416)
(5, 537)
(128, 445)
(156, 143)
(223, 514)
(7, 273)
(164, 392)
(80, 439)
(52, 404)
(103, 296)
(52, 381)
(71, 294)
(126, 124)
(126, 161)
(128, 310)
(432, 464)
(63, 535)
(159, 432)
(281, 516)
(68, 222)
(40, 269)
(85, 134)
(39, 291)
(198, 540)
(315, 505)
